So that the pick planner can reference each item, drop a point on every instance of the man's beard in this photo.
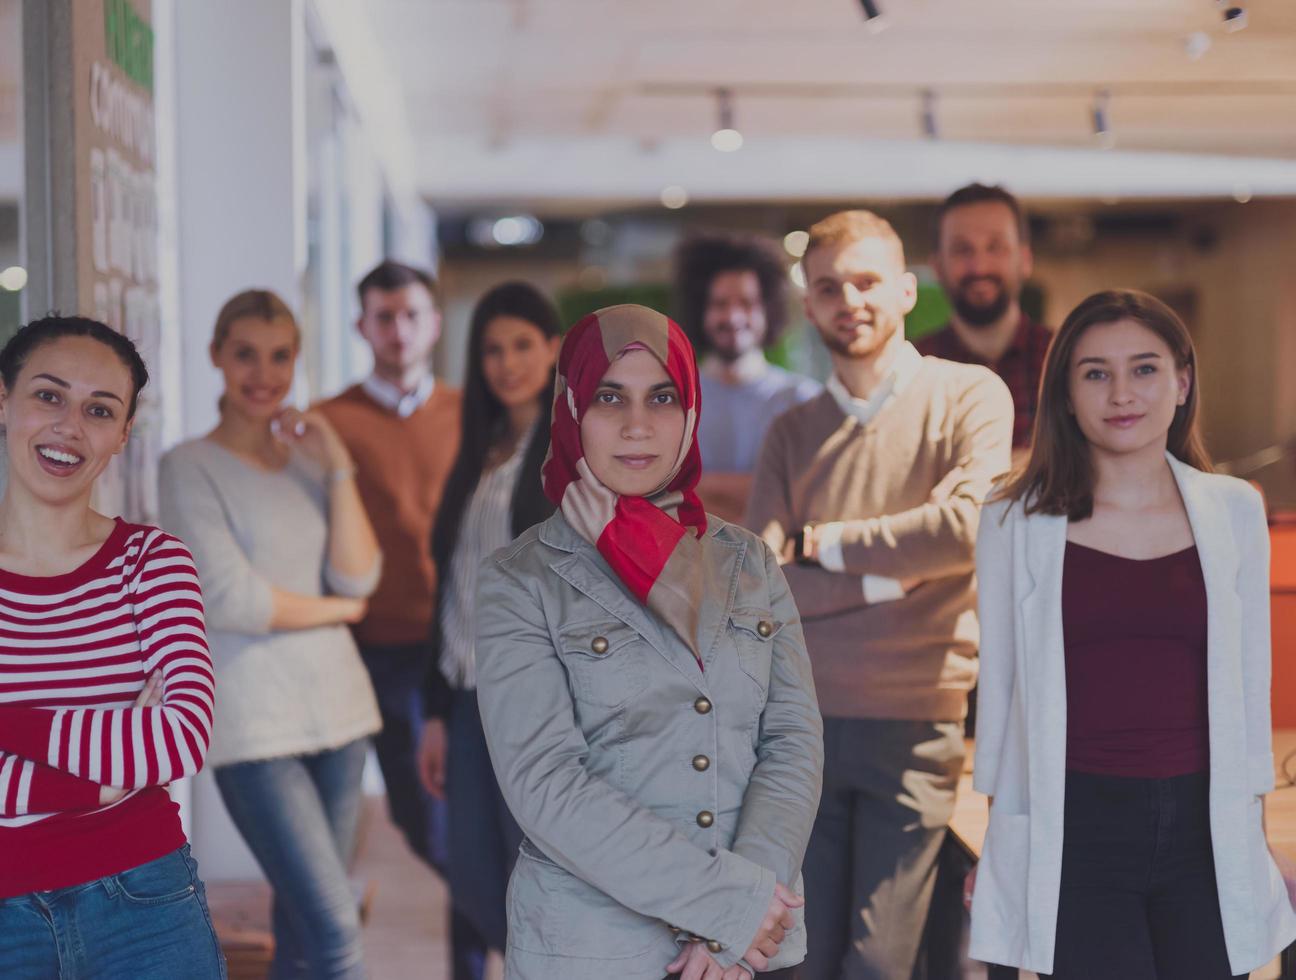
(734, 345)
(980, 315)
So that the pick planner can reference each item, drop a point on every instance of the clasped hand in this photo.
(695, 963)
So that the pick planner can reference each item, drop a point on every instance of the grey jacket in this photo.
(655, 796)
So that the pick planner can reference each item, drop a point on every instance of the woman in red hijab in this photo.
(646, 693)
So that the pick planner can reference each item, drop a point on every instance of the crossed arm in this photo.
(934, 539)
(60, 758)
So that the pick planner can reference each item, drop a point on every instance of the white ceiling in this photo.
(522, 82)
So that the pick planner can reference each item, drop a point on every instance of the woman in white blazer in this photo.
(1123, 731)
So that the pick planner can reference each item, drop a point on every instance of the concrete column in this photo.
(241, 185)
(240, 222)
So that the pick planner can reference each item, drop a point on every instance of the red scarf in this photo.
(651, 542)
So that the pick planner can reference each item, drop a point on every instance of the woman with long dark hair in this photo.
(645, 692)
(106, 685)
(1123, 731)
(492, 495)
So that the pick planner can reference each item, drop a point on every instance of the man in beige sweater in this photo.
(871, 493)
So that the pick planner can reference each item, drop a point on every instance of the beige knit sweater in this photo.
(909, 486)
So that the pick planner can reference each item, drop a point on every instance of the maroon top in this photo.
(1021, 367)
(1135, 638)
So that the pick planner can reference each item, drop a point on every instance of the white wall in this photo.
(240, 185)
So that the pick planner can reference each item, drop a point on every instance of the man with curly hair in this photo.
(732, 301)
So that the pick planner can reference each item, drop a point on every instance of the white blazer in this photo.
(1021, 724)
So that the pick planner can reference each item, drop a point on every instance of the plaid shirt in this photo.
(1021, 367)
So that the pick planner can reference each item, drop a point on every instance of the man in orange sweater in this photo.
(401, 427)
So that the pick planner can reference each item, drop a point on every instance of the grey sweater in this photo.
(281, 693)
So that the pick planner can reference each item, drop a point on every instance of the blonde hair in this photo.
(845, 227)
(259, 303)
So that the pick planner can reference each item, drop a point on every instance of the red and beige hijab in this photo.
(652, 543)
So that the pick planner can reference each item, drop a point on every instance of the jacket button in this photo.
(714, 946)
(702, 706)
(706, 818)
(765, 627)
(701, 763)
(600, 645)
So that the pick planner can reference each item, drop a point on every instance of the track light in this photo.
(930, 127)
(873, 18)
(1101, 121)
(1235, 17)
(726, 138)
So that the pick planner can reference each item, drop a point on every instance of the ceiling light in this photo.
(873, 18)
(505, 232)
(13, 278)
(726, 138)
(1235, 19)
(795, 242)
(1101, 120)
(674, 197)
(1242, 193)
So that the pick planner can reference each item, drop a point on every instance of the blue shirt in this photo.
(735, 417)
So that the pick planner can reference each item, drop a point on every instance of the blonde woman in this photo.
(286, 555)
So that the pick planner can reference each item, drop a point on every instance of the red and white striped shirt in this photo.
(75, 651)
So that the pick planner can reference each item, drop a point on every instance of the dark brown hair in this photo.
(53, 327)
(1058, 477)
(981, 194)
(703, 256)
(388, 276)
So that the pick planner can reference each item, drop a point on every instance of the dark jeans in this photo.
(298, 815)
(397, 677)
(1138, 898)
(147, 923)
(870, 868)
(484, 837)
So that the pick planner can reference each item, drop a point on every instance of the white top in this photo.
(393, 399)
(486, 526)
(281, 693)
(907, 364)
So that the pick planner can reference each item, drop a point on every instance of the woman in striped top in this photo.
(106, 686)
(492, 495)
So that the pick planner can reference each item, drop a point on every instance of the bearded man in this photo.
(982, 258)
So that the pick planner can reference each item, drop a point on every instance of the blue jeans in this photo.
(396, 673)
(147, 923)
(298, 815)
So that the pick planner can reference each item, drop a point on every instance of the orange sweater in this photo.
(401, 468)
